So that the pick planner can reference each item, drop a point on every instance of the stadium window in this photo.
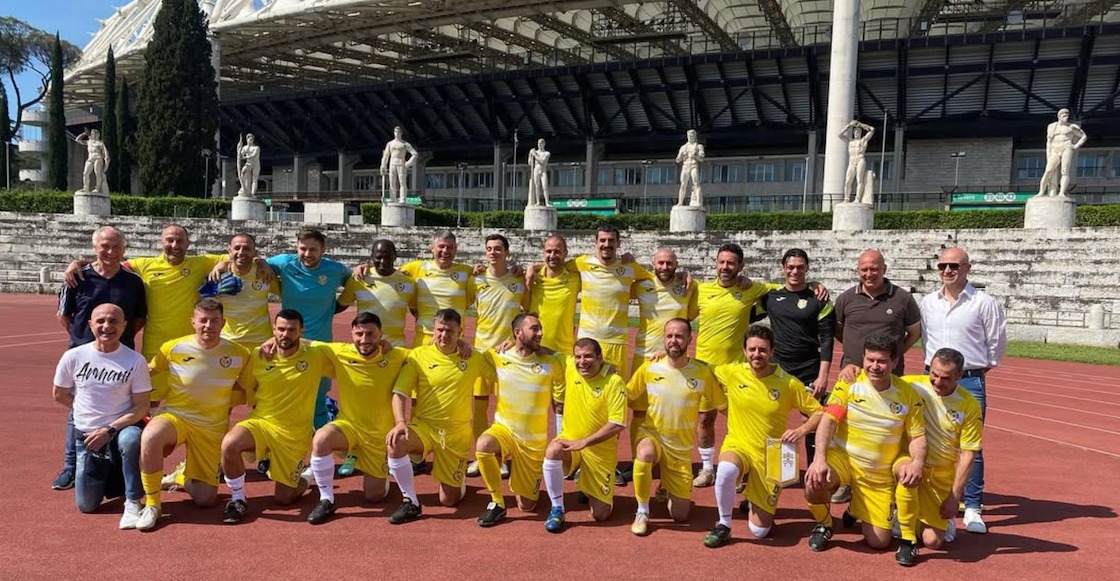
(433, 181)
(762, 172)
(605, 175)
(482, 180)
(888, 171)
(726, 174)
(567, 178)
(1092, 165)
(1029, 166)
(795, 171)
(515, 179)
(627, 176)
(660, 175)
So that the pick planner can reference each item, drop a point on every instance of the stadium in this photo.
(960, 93)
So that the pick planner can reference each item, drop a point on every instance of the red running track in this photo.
(1052, 450)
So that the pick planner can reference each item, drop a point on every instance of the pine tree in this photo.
(57, 146)
(177, 109)
(126, 138)
(109, 121)
(7, 156)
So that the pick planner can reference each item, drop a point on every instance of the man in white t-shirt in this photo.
(107, 387)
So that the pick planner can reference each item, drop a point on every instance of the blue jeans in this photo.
(974, 490)
(69, 458)
(100, 473)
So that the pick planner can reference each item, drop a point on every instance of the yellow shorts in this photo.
(204, 449)
(760, 492)
(449, 447)
(596, 467)
(285, 452)
(615, 354)
(676, 473)
(526, 464)
(936, 485)
(872, 492)
(367, 445)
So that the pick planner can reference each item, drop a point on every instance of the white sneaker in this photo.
(951, 532)
(842, 495)
(705, 478)
(641, 524)
(175, 479)
(505, 470)
(307, 476)
(131, 514)
(472, 469)
(973, 523)
(148, 518)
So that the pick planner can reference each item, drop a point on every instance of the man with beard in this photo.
(441, 283)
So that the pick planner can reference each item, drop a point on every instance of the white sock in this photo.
(554, 481)
(236, 487)
(558, 419)
(727, 476)
(757, 531)
(402, 471)
(322, 467)
(643, 507)
(706, 455)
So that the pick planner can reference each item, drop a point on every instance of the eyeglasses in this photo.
(949, 265)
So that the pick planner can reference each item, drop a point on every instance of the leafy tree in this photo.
(109, 121)
(125, 141)
(24, 48)
(56, 125)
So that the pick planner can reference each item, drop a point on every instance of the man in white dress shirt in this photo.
(972, 322)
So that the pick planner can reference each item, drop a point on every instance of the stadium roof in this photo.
(296, 45)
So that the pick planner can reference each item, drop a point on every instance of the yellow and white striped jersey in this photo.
(657, 305)
(525, 388)
(200, 380)
(498, 299)
(439, 289)
(246, 313)
(873, 423)
(591, 403)
(604, 303)
(388, 297)
(553, 298)
(725, 316)
(365, 385)
(674, 401)
(758, 408)
(442, 384)
(952, 422)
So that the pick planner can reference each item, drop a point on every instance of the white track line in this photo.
(31, 335)
(1070, 444)
(33, 343)
(1036, 392)
(1057, 384)
(1082, 426)
(999, 371)
(1050, 405)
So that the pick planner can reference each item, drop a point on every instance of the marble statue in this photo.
(399, 156)
(858, 136)
(867, 194)
(538, 174)
(1062, 140)
(97, 161)
(248, 165)
(690, 156)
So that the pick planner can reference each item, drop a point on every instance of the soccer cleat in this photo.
(131, 514)
(262, 467)
(623, 476)
(421, 467)
(347, 468)
(705, 478)
(641, 524)
(321, 513)
(555, 521)
(745, 507)
(850, 521)
(472, 469)
(819, 537)
(148, 519)
(64, 480)
(408, 511)
(951, 532)
(973, 522)
(234, 512)
(582, 498)
(175, 479)
(661, 495)
(907, 553)
(492, 515)
(505, 470)
(842, 495)
(717, 537)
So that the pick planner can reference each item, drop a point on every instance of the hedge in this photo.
(55, 202)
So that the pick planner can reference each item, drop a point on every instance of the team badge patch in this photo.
(225, 361)
(322, 279)
(400, 287)
(538, 368)
(513, 287)
(898, 409)
(382, 363)
(258, 285)
(773, 394)
(890, 311)
(679, 289)
(462, 366)
(185, 271)
(620, 270)
(302, 365)
(455, 276)
(738, 295)
(801, 304)
(693, 383)
(956, 417)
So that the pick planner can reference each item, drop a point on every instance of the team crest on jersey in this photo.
(322, 279)
(738, 295)
(399, 286)
(462, 366)
(225, 361)
(258, 285)
(678, 290)
(956, 417)
(801, 304)
(455, 276)
(898, 409)
(538, 368)
(185, 271)
(301, 365)
(383, 363)
(693, 383)
(773, 394)
(890, 311)
(513, 287)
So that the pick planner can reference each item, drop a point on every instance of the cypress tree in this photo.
(57, 146)
(125, 141)
(7, 162)
(177, 109)
(109, 121)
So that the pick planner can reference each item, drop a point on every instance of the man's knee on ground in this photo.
(87, 506)
(449, 496)
(876, 538)
(526, 504)
(202, 495)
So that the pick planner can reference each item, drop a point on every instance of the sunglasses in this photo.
(948, 265)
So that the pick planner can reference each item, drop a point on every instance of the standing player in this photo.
(760, 396)
(246, 313)
(442, 383)
(553, 291)
(441, 283)
(594, 415)
(384, 291)
(202, 369)
(527, 383)
(283, 393)
(673, 388)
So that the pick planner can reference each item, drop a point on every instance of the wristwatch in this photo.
(111, 430)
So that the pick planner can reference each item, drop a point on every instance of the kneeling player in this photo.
(594, 415)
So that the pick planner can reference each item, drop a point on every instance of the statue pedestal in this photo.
(853, 216)
(396, 214)
(688, 219)
(91, 204)
(1050, 212)
(540, 218)
(248, 208)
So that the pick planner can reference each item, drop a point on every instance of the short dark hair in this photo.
(950, 356)
(210, 304)
(448, 316)
(759, 332)
(383, 242)
(881, 343)
(610, 229)
(251, 238)
(795, 253)
(365, 318)
(680, 320)
(586, 342)
(520, 318)
(311, 234)
(732, 248)
(505, 242)
(289, 315)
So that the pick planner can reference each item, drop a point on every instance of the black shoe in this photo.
(406, 512)
(234, 512)
(745, 507)
(582, 498)
(907, 553)
(493, 515)
(64, 480)
(321, 512)
(421, 467)
(717, 537)
(262, 467)
(622, 477)
(819, 537)
(848, 520)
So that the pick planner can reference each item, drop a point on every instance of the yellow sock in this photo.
(151, 482)
(491, 473)
(821, 514)
(479, 421)
(643, 482)
(906, 500)
(636, 421)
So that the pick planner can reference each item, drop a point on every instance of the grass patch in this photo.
(1072, 353)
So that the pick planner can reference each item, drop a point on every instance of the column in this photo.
(499, 200)
(811, 162)
(842, 68)
(299, 173)
(346, 163)
(899, 160)
(594, 153)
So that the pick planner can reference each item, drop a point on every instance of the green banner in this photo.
(411, 200)
(585, 204)
(990, 198)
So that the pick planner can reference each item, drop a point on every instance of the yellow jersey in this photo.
(200, 380)
(442, 384)
(553, 299)
(171, 292)
(725, 316)
(758, 407)
(389, 297)
(498, 299)
(525, 388)
(591, 403)
(365, 385)
(247, 318)
(604, 304)
(952, 422)
(437, 289)
(674, 401)
(873, 424)
(657, 305)
(283, 391)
